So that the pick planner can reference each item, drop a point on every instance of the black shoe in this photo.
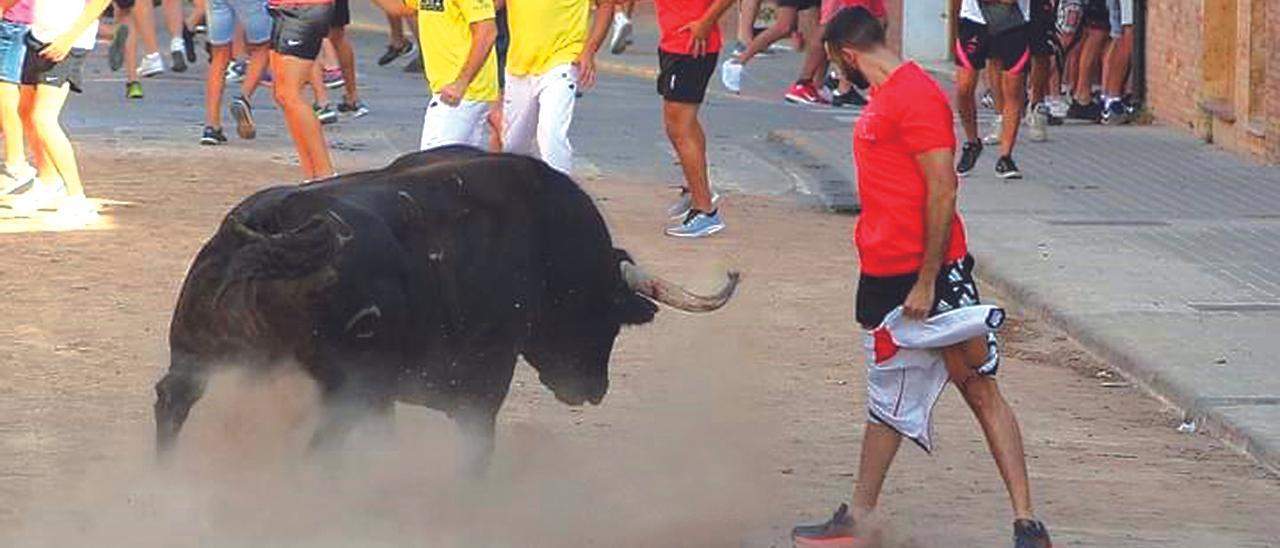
(840, 526)
(242, 111)
(1006, 169)
(968, 158)
(189, 43)
(115, 54)
(1115, 114)
(212, 136)
(851, 99)
(1030, 534)
(394, 53)
(1091, 112)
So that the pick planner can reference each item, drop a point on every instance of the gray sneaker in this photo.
(1038, 123)
(697, 225)
(242, 111)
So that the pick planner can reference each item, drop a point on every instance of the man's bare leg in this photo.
(1090, 57)
(783, 24)
(1010, 104)
(966, 103)
(879, 446)
(815, 55)
(346, 62)
(308, 137)
(690, 143)
(999, 424)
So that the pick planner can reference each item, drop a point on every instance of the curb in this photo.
(1129, 363)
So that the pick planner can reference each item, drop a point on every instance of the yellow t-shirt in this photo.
(444, 28)
(545, 34)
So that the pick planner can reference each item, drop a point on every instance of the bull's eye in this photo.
(363, 325)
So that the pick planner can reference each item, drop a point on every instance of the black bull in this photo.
(421, 282)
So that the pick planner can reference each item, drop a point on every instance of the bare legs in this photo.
(313, 153)
(685, 132)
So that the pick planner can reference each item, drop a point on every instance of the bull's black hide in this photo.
(421, 282)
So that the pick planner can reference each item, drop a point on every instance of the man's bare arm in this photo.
(940, 208)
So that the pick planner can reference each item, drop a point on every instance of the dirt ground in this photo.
(719, 430)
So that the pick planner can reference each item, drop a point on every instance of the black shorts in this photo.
(37, 70)
(341, 13)
(1043, 33)
(1096, 15)
(878, 295)
(124, 4)
(683, 78)
(297, 30)
(800, 5)
(501, 45)
(975, 45)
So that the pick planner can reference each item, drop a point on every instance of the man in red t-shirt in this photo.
(911, 246)
(687, 52)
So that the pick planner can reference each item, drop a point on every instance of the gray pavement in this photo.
(1159, 253)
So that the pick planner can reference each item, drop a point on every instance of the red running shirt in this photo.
(907, 115)
(674, 14)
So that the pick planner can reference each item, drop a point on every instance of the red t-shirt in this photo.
(908, 115)
(674, 14)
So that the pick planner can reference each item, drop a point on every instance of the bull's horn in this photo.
(239, 228)
(673, 295)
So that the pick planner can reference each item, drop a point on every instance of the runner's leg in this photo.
(290, 74)
(49, 101)
(690, 143)
(783, 24)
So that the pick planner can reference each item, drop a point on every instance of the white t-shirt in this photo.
(51, 18)
(970, 9)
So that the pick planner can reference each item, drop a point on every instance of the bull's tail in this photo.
(296, 253)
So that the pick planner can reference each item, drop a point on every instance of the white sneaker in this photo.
(151, 65)
(41, 196)
(731, 75)
(997, 126)
(1038, 123)
(1058, 106)
(14, 179)
(620, 37)
(74, 213)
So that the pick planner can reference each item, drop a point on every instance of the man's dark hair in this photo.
(854, 27)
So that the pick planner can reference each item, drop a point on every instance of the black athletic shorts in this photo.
(800, 5)
(975, 45)
(38, 71)
(1096, 15)
(878, 295)
(342, 13)
(297, 30)
(125, 4)
(501, 45)
(683, 78)
(1043, 32)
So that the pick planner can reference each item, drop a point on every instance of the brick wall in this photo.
(1174, 47)
(1272, 100)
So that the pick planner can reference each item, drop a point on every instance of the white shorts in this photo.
(444, 125)
(537, 110)
(906, 372)
(1121, 16)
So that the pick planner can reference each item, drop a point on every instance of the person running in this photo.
(792, 15)
(15, 174)
(623, 28)
(297, 31)
(351, 104)
(552, 58)
(913, 255)
(123, 51)
(995, 29)
(1086, 76)
(1044, 45)
(688, 50)
(457, 38)
(182, 49)
(62, 34)
(222, 19)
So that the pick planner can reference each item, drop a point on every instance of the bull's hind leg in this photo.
(180, 389)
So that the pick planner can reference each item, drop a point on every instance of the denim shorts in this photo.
(13, 49)
(223, 14)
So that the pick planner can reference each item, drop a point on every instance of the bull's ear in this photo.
(633, 309)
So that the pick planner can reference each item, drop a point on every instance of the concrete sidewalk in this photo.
(1157, 252)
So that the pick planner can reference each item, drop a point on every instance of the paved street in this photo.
(1134, 261)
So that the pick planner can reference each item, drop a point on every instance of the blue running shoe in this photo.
(697, 225)
(680, 209)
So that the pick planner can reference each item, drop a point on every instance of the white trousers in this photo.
(444, 125)
(537, 110)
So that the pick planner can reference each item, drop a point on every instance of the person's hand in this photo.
(586, 65)
(698, 32)
(58, 50)
(452, 94)
(919, 301)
